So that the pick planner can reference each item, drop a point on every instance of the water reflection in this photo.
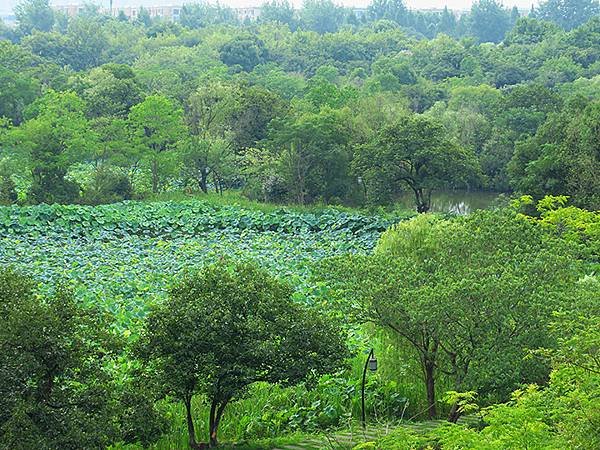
(457, 202)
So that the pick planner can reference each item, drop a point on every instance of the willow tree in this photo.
(468, 295)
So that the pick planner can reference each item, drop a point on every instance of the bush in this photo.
(53, 188)
(8, 191)
(108, 187)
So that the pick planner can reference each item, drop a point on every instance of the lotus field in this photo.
(123, 256)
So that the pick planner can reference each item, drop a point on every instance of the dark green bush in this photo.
(108, 187)
(8, 191)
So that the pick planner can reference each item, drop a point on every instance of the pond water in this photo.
(458, 202)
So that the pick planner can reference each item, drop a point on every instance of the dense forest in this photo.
(202, 240)
(302, 106)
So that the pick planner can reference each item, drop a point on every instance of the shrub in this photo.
(108, 187)
(8, 191)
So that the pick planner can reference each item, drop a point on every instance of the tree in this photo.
(562, 414)
(55, 135)
(110, 90)
(528, 30)
(489, 21)
(415, 153)
(245, 52)
(209, 148)
(87, 42)
(227, 327)
(468, 295)
(200, 15)
(34, 15)
(447, 23)
(313, 150)
(18, 91)
(394, 10)
(562, 158)
(55, 391)
(322, 16)
(439, 58)
(157, 127)
(251, 115)
(568, 14)
(278, 11)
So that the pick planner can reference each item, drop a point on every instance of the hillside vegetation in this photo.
(203, 242)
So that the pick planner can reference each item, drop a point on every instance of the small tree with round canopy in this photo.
(227, 327)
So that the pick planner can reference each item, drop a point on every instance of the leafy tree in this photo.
(314, 154)
(18, 91)
(568, 14)
(278, 11)
(230, 326)
(414, 153)
(322, 16)
(467, 295)
(144, 18)
(34, 15)
(528, 30)
(489, 21)
(564, 414)
(394, 10)
(110, 90)
(55, 391)
(439, 58)
(209, 148)
(251, 118)
(87, 42)
(245, 52)
(176, 72)
(562, 158)
(203, 14)
(55, 135)
(157, 127)
(447, 23)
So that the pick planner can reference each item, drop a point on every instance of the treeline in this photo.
(98, 109)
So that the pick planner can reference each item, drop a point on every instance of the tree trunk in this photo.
(429, 369)
(212, 425)
(190, 423)
(454, 413)
(423, 200)
(216, 412)
(154, 176)
(203, 181)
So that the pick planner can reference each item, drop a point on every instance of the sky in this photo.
(6, 6)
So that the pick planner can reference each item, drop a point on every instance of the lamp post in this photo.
(371, 364)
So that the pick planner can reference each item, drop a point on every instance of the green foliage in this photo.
(55, 134)
(34, 15)
(243, 52)
(562, 157)
(568, 13)
(228, 327)
(413, 153)
(8, 191)
(56, 391)
(157, 125)
(468, 295)
(489, 21)
(312, 149)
